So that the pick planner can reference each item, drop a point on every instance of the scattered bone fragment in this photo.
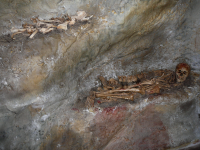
(81, 16)
(33, 34)
(45, 26)
(46, 30)
(72, 22)
(103, 81)
(17, 30)
(63, 25)
(12, 36)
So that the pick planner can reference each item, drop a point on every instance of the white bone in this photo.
(46, 30)
(33, 34)
(17, 30)
(63, 25)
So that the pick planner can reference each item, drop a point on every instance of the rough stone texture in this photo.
(44, 81)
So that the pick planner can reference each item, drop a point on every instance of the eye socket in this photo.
(184, 72)
(179, 71)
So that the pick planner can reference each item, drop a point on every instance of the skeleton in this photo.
(143, 83)
(46, 26)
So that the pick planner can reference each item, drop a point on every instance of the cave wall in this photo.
(45, 80)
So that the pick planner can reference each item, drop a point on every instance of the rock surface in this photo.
(44, 81)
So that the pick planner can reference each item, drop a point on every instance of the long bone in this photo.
(147, 82)
(138, 90)
(119, 96)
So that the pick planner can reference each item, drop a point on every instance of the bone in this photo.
(99, 89)
(149, 82)
(119, 96)
(103, 81)
(132, 79)
(34, 20)
(39, 23)
(87, 18)
(123, 79)
(12, 36)
(81, 15)
(112, 82)
(30, 30)
(46, 30)
(52, 21)
(17, 30)
(121, 90)
(50, 24)
(33, 34)
(63, 26)
(153, 90)
(72, 22)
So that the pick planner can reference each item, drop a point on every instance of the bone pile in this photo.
(46, 26)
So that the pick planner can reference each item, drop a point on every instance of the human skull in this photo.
(182, 72)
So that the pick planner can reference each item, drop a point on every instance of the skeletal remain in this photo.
(50, 25)
(17, 30)
(161, 80)
(112, 82)
(45, 26)
(132, 79)
(99, 89)
(118, 96)
(33, 34)
(72, 22)
(63, 25)
(30, 29)
(12, 36)
(46, 30)
(103, 81)
(182, 72)
(121, 90)
(81, 16)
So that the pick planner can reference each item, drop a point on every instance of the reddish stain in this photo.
(99, 101)
(75, 109)
(107, 123)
